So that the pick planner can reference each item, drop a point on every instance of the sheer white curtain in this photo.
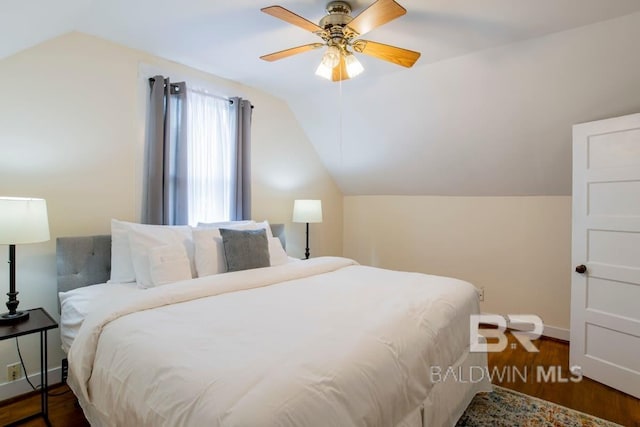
(209, 157)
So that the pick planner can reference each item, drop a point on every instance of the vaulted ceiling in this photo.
(487, 110)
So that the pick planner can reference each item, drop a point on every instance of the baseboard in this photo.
(18, 387)
(557, 333)
(549, 331)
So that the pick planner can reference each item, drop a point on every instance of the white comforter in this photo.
(323, 342)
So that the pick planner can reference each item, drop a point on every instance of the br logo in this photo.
(525, 328)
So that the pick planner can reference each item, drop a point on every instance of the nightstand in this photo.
(38, 321)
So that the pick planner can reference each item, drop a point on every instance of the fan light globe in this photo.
(323, 71)
(354, 67)
(331, 57)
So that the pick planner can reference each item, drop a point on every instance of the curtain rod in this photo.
(202, 92)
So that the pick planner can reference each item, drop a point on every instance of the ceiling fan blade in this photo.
(290, 52)
(290, 17)
(340, 71)
(379, 13)
(397, 55)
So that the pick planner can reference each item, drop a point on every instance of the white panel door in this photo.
(605, 288)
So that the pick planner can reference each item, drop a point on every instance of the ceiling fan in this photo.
(340, 32)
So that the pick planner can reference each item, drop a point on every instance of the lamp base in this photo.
(8, 318)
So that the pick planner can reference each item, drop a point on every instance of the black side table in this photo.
(38, 321)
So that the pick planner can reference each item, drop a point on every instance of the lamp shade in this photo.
(307, 211)
(23, 220)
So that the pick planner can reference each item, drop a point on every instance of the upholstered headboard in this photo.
(84, 261)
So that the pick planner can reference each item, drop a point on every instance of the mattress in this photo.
(324, 342)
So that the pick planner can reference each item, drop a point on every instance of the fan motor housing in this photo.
(338, 15)
(338, 7)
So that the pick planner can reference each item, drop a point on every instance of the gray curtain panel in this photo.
(241, 110)
(165, 196)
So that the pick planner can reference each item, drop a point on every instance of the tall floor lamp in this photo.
(307, 211)
(22, 220)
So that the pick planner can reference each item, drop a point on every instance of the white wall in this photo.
(517, 248)
(495, 122)
(72, 131)
(286, 167)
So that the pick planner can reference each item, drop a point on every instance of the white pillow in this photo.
(169, 264)
(264, 224)
(122, 268)
(121, 265)
(209, 252)
(142, 238)
(277, 254)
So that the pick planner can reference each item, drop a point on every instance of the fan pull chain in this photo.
(340, 118)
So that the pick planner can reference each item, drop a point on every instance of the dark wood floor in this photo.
(586, 396)
(63, 409)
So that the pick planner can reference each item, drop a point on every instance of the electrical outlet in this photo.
(65, 370)
(481, 293)
(14, 372)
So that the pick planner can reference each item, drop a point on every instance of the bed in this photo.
(323, 342)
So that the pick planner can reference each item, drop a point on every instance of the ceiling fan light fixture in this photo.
(324, 71)
(331, 57)
(354, 67)
(340, 33)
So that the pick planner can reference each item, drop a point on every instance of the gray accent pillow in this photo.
(245, 249)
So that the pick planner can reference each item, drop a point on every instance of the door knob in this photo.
(581, 269)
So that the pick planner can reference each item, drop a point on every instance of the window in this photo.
(209, 158)
(197, 166)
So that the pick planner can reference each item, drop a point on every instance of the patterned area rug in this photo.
(505, 407)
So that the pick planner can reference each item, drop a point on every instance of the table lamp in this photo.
(307, 211)
(22, 220)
